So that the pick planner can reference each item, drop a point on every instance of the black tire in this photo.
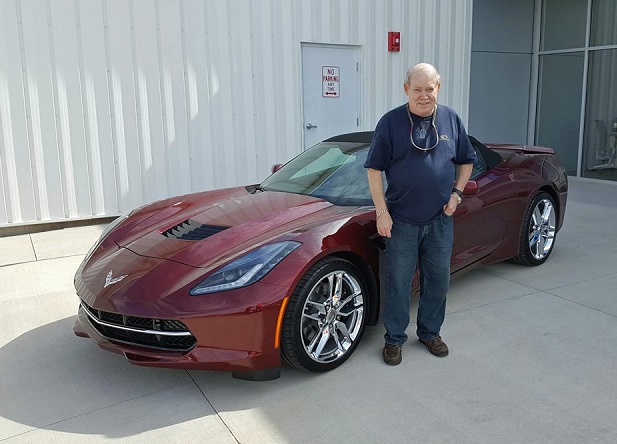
(329, 303)
(538, 231)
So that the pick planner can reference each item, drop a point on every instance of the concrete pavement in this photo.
(532, 360)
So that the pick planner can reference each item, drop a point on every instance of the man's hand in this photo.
(384, 225)
(450, 207)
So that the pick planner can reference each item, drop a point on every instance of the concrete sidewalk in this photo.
(532, 360)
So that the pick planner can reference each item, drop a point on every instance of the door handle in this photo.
(311, 126)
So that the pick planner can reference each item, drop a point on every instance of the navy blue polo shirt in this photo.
(419, 182)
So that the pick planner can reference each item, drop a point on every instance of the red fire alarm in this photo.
(394, 41)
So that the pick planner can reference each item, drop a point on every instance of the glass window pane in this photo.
(559, 105)
(563, 24)
(603, 18)
(600, 139)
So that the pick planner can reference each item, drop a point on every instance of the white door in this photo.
(330, 91)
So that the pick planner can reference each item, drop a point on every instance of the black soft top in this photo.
(490, 157)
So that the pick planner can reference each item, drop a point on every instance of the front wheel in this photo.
(325, 316)
(538, 231)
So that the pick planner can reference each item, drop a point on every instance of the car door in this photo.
(479, 222)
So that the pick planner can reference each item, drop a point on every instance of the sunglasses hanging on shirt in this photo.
(432, 124)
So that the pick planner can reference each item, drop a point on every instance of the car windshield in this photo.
(333, 171)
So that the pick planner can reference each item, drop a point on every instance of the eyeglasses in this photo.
(434, 127)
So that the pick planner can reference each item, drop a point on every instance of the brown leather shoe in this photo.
(392, 354)
(436, 346)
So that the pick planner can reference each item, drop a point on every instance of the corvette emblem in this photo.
(110, 280)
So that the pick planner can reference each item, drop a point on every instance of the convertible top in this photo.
(359, 137)
(490, 157)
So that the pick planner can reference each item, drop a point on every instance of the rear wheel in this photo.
(325, 316)
(538, 231)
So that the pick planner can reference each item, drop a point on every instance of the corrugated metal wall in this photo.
(109, 104)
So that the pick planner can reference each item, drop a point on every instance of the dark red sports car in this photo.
(241, 278)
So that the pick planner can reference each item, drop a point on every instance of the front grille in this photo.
(192, 230)
(162, 334)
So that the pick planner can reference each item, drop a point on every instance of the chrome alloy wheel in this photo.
(332, 316)
(542, 229)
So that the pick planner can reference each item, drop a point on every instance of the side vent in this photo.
(192, 230)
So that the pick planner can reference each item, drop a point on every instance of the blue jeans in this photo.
(430, 248)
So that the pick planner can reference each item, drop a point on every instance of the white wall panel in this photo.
(149, 99)
(117, 16)
(17, 179)
(198, 96)
(68, 109)
(247, 146)
(40, 113)
(174, 97)
(265, 83)
(95, 81)
(109, 104)
(224, 144)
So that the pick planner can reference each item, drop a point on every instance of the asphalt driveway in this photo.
(532, 359)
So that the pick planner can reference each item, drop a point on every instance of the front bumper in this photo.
(236, 343)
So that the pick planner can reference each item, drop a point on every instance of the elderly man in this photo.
(427, 159)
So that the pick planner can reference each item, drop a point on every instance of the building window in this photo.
(599, 147)
(578, 49)
(603, 28)
(563, 24)
(559, 105)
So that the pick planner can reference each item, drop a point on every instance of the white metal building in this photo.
(108, 104)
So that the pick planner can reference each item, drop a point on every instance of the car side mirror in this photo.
(471, 188)
(276, 167)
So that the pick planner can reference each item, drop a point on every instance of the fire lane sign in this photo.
(330, 81)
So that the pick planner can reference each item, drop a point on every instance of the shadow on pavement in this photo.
(49, 376)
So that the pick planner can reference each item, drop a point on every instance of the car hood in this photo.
(208, 229)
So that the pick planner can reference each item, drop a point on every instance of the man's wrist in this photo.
(459, 199)
(381, 213)
(458, 192)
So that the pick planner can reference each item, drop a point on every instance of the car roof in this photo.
(358, 137)
(491, 157)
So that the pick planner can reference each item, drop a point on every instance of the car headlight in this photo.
(245, 270)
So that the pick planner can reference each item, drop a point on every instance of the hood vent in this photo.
(192, 230)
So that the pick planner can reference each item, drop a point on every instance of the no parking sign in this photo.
(330, 81)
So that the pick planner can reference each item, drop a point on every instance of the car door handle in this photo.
(311, 126)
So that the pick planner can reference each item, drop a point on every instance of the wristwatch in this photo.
(459, 194)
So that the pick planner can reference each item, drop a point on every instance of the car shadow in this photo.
(49, 378)
(52, 380)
